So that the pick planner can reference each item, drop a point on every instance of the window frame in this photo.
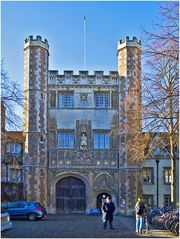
(66, 97)
(152, 175)
(68, 142)
(101, 135)
(100, 100)
(169, 175)
(169, 200)
(53, 99)
(9, 145)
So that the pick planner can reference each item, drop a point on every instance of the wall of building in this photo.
(151, 189)
(11, 165)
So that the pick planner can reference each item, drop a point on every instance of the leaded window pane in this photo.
(97, 100)
(106, 100)
(167, 175)
(101, 140)
(148, 175)
(66, 140)
(106, 146)
(65, 100)
(60, 101)
(17, 148)
(96, 144)
(71, 140)
(102, 100)
(14, 148)
(60, 140)
(70, 100)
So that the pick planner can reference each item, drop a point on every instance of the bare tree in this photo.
(161, 83)
(164, 41)
(12, 99)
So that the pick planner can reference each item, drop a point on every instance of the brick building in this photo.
(12, 143)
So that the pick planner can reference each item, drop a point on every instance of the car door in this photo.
(21, 210)
(11, 209)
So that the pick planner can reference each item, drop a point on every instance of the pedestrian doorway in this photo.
(70, 195)
(100, 198)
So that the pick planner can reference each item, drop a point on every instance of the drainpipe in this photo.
(157, 182)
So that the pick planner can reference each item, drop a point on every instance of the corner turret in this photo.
(37, 41)
(36, 66)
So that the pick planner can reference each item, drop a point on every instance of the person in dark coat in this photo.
(108, 209)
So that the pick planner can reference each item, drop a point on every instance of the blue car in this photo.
(94, 211)
(26, 210)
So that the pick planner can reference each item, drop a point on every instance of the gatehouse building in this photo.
(71, 159)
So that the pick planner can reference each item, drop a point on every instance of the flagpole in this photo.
(84, 42)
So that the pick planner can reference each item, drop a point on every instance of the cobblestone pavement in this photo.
(78, 226)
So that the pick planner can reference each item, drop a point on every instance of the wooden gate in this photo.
(70, 195)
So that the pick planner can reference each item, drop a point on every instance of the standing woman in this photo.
(108, 209)
(140, 209)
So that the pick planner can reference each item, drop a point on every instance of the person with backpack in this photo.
(140, 209)
(108, 209)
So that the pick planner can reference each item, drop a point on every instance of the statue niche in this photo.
(83, 143)
(84, 132)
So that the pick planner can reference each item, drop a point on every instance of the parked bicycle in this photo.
(165, 219)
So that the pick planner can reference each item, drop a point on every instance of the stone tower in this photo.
(36, 54)
(129, 69)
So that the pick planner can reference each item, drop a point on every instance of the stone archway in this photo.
(70, 195)
(100, 198)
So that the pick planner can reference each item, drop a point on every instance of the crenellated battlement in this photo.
(69, 77)
(83, 73)
(131, 42)
(36, 41)
(127, 40)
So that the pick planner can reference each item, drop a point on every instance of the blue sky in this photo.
(62, 24)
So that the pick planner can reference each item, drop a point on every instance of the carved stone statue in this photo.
(83, 141)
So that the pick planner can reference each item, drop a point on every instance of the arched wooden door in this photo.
(70, 195)
(100, 198)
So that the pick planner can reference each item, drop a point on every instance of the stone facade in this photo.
(103, 170)
(70, 156)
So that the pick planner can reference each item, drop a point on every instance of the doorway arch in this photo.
(70, 195)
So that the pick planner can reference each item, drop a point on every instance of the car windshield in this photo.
(38, 205)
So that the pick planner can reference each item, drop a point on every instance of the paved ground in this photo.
(78, 226)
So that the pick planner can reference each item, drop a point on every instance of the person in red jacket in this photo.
(108, 209)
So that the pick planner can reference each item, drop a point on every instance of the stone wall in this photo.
(11, 192)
